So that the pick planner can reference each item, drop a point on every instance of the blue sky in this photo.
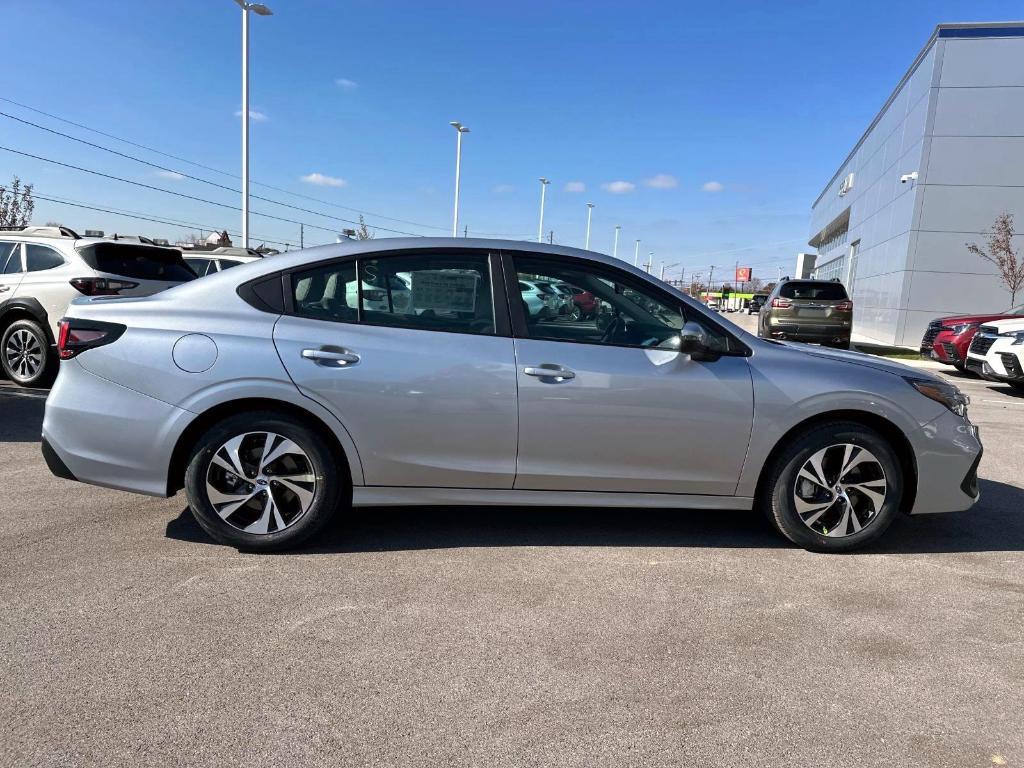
(704, 129)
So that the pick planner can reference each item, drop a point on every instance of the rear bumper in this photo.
(99, 432)
(948, 452)
(808, 332)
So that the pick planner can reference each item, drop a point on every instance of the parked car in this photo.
(43, 268)
(713, 305)
(217, 260)
(585, 304)
(755, 303)
(540, 302)
(562, 302)
(808, 310)
(278, 409)
(947, 339)
(997, 352)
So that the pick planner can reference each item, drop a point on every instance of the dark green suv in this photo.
(808, 310)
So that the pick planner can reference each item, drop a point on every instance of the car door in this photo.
(613, 406)
(11, 270)
(425, 381)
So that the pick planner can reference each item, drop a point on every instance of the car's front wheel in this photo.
(837, 487)
(263, 482)
(27, 358)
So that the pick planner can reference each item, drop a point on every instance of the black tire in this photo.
(21, 370)
(777, 494)
(576, 315)
(332, 488)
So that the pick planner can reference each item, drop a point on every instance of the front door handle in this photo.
(549, 371)
(4, 288)
(335, 357)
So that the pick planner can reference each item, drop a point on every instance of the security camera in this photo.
(908, 177)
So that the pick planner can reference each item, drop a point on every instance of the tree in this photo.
(363, 232)
(16, 204)
(1000, 251)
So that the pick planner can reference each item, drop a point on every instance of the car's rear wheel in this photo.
(263, 482)
(26, 356)
(836, 488)
(576, 313)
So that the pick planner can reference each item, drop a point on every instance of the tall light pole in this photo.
(636, 254)
(260, 10)
(540, 226)
(590, 211)
(459, 129)
(615, 248)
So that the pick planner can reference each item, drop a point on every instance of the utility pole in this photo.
(551, 237)
(465, 231)
(711, 279)
(302, 238)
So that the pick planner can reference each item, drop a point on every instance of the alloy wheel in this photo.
(260, 482)
(23, 354)
(840, 490)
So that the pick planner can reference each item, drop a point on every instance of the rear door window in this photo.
(40, 257)
(10, 258)
(814, 291)
(141, 262)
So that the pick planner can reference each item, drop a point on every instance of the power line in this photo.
(225, 173)
(144, 217)
(183, 195)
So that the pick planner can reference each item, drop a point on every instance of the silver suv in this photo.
(43, 268)
(277, 393)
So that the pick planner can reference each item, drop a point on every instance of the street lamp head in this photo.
(544, 181)
(458, 126)
(590, 205)
(260, 10)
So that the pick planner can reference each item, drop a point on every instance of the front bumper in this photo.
(102, 433)
(948, 452)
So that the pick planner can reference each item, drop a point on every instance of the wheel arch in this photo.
(203, 421)
(25, 308)
(890, 431)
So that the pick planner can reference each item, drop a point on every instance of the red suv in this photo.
(947, 339)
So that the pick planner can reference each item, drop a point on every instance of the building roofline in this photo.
(950, 30)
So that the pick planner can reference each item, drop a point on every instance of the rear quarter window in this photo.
(142, 262)
(825, 291)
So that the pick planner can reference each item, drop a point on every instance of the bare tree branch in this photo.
(999, 251)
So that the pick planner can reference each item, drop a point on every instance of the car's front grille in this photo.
(950, 351)
(982, 343)
(929, 335)
(1012, 365)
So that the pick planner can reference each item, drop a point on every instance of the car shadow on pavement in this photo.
(995, 524)
(21, 414)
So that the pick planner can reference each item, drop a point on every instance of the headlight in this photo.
(941, 392)
(1017, 336)
(960, 328)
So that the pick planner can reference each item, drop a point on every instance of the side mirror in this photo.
(693, 341)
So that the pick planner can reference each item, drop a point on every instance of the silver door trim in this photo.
(375, 495)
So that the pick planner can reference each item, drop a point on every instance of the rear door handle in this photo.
(338, 358)
(4, 288)
(549, 371)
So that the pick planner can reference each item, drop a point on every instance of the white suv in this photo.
(997, 352)
(43, 268)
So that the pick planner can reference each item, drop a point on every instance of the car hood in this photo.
(860, 358)
(957, 319)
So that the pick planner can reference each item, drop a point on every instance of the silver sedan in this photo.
(278, 393)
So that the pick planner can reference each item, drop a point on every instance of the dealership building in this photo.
(943, 158)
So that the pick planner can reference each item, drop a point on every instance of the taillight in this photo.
(782, 303)
(845, 306)
(76, 336)
(101, 286)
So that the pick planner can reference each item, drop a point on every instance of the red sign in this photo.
(742, 274)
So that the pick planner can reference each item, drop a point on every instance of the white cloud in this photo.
(345, 84)
(502, 189)
(618, 187)
(323, 181)
(254, 115)
(713, 186)
(575, 186)
(662, 181)
(173, 175)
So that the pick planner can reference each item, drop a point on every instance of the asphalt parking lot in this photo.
(507, 637)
